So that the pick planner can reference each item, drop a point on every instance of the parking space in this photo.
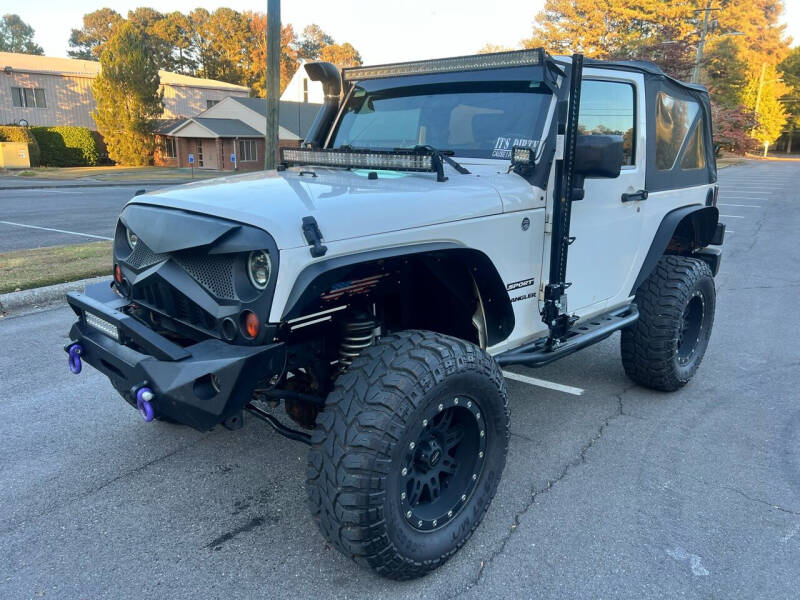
(610, 490)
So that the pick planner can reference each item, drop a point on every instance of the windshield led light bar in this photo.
(472, 62)
(401, 160)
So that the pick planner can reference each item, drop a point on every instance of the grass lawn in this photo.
(24, 269)
(114, 173)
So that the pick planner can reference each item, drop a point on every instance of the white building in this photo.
(302, 89)
(43, 90)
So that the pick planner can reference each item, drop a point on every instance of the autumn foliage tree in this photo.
(225, 44)
(127, 96)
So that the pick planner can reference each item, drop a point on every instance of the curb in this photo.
(42, 296)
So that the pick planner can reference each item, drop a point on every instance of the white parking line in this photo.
(740, 205)
(732, 216)
(551, 385)
(98, 237)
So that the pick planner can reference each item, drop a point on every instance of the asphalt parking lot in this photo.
(617, 492)
(33, 218)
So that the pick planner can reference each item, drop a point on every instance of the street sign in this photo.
(191, 159)
(233, 158)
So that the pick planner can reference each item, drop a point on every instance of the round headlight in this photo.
(259, 268)
(133, 239)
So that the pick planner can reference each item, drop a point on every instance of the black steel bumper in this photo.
(200, 385)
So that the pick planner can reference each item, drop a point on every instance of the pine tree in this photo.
(127, 96)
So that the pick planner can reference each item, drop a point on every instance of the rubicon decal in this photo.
(520, 284)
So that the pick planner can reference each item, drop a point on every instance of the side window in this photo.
(608, 108)
(673, 120)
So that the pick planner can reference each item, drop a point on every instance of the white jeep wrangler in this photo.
(424, 235)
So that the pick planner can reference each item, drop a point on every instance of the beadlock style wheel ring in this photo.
(692, 328)
(441, 467)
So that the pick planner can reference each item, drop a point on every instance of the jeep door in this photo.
(607, 230)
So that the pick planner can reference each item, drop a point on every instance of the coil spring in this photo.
(358, 334)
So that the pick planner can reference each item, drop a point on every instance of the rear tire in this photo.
(408, 452)
(664, 347)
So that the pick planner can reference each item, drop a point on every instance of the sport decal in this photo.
(520, 284)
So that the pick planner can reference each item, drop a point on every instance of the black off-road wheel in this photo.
(408, 452)
(664, 348)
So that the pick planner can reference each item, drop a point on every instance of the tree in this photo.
(312, 41)
(790, 72)
(17, 36)
(489, 48)
(341, 55)
(176, 28)
(87, 42)
(257, 54)
(127, 96)
(762, 95)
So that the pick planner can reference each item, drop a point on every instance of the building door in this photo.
(198, 155)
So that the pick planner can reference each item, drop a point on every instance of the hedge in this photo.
(66, 146)
(13, 133)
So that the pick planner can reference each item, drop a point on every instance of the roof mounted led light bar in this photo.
(421, 160)
(473, 62)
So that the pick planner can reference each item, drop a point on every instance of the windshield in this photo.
(478, 120)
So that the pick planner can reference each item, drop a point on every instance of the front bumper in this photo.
(200, 385)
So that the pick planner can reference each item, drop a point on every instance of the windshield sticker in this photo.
(503, 146)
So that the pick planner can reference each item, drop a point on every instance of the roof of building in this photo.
(297, 117)
(90, 68)
(227, 127)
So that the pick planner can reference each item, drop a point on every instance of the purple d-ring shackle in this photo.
(144, 397)
(74, 358)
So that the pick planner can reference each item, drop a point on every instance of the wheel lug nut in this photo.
(411, 445)
(434, 522)
(404, 471)
(469, 403)
(463, 497)
(482, 433)
(408, 514)
(477, 415)
(455, 401)
(403, 496)
(474, 476)
(449, 513)
(480, 454)
(424, 422)
(419, 523)
(441, 407)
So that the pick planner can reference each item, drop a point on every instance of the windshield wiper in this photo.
(439, 156)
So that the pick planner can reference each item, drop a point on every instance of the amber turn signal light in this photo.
(117, 274)
(250, 323)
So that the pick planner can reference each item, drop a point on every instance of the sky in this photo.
(381, 31)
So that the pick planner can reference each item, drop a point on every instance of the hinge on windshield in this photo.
(313, 237)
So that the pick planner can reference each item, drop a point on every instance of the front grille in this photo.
(142, 257)
(213, 272)
(170, 301)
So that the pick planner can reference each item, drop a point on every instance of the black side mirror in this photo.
(598, 155)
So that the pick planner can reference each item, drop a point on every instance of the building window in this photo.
(169, 147)
(210, 103)
(608, 108)
(305, 90)
(247, 151)
(28, 97)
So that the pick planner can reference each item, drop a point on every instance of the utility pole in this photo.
(273, 82)
(699, 57)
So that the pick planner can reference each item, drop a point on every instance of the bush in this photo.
(14, 133)
(66, 146)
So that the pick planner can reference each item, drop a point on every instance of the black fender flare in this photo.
(703, 221)
(319, 276)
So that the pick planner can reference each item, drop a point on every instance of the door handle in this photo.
(637, 196)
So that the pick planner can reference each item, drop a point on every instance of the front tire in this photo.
(408, 452)
(664, 347)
